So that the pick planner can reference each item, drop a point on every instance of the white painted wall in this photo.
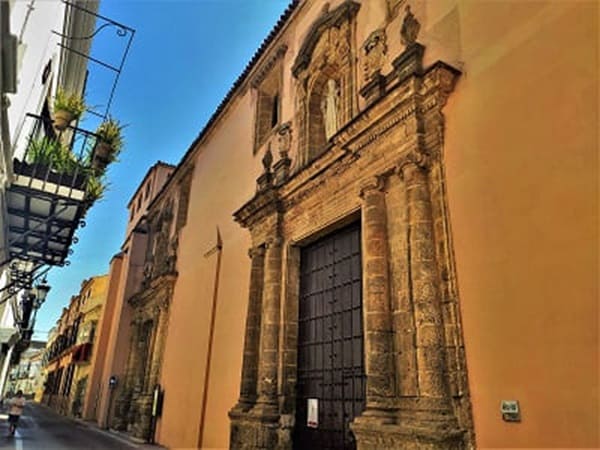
(33, 21)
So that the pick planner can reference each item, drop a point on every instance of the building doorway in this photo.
(331, 374)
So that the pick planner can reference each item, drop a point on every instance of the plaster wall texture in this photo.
(211, 190)
(520, 156)
(116, 333)
(106, 342)
(101, 310)
(156, 178)
(522, 174)
(125, 276)
(38, 46)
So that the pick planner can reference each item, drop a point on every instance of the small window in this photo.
(147, 190)
(275, 111)
(268, 105)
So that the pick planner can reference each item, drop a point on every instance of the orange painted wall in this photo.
(187, 340)
(109, 333)
(521, 159)
(96, 382)
(522, 172)
(93, 309)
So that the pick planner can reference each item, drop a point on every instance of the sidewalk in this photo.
(123, 437)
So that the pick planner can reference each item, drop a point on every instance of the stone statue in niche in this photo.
(330, 104)
(410, 28)
(374, 48)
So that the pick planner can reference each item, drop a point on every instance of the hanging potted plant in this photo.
(95, 188)
(67, 108)
(109, 144)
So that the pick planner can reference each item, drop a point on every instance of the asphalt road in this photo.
(42, 429)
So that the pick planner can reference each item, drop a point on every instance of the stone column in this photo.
(162, 318)
(123, 403)
(433, 389)
(252, 334)
(379, 347)
(139, 361)
(267, 404)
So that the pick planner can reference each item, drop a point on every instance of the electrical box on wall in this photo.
(510, 411)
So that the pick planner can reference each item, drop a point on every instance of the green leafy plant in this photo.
(43, 151)
(96, 187)
(111, 133)
(73, 103)
(66, 162)
(53, 154)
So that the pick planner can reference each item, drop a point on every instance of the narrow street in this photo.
(41, 428)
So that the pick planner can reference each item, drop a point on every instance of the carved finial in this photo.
(267, 160)
(410, 28)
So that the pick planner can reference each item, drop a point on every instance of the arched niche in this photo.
(325, 67)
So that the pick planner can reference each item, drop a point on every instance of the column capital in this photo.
(413, 158)
(274, 241)
(254, 252)
(374, 183)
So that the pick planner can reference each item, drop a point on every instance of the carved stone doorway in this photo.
(331, 372)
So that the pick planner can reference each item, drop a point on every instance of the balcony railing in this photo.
(50, 191)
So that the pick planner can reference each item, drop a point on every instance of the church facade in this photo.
(385, 239)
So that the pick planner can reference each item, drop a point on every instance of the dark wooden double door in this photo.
(330, 342)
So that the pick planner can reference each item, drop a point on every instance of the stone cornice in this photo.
(267, 65)
(262, 204)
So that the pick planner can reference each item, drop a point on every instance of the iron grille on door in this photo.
(330, 341)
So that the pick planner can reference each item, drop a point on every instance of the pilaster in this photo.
(381, 398)
(267, 404)
(249, 381)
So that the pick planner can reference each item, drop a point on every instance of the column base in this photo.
(265, 411)
(252, 432)
(372, 436)
(122, 409)
(241, 406)
(142, 422)
(418, 424)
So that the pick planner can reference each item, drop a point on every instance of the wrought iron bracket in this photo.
(122, 31)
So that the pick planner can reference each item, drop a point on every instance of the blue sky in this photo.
(184, 58)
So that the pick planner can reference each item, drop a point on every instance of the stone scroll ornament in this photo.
(374, 51)
(410, 28)
(284, 139)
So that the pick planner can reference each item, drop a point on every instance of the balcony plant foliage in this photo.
(96, 187)
(110, 143)
(55, 156)
(48, 155)
(67, 107)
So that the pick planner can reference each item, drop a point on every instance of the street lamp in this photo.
(39, 293)
(38, 296)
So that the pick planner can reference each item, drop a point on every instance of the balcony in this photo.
(51, 191)
(82, 353)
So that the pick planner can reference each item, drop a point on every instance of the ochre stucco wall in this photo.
(522, 173)
(521, 167)
(92, 409)
(187, 340)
